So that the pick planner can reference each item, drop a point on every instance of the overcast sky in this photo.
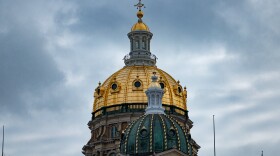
(54, 52)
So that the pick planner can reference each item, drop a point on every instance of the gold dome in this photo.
(128, 86)
(140, 25)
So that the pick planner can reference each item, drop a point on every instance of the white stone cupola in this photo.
(154, 94)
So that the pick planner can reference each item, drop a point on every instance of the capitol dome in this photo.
(128, 86)
(118, 125)
(154, 133)
(125, 89)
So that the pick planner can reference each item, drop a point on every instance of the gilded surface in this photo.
(140, 26)
(126, 92)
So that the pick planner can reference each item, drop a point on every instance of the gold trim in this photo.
(178, 138)
(151, 134)
(169, 89)
(137, 133)
(117, 90)
(127, 81)
(164, 131)
(137, 88)
(127, 133)
(108, 88)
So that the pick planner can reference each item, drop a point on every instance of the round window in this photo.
(114, 86)
(179, 89)
(171, 133)
(137, 84)
(162, 85)
(143, 132)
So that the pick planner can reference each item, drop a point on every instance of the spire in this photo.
(139, 5)
(154, 94)
(140, 14)
(140, 38)
(140, 25)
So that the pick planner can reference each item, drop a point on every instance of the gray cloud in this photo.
(25, 67)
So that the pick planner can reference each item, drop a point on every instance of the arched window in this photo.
(137, 43)
(131, 45)
(144, 43)
(157, 100)
(113, 131)
(149, 44)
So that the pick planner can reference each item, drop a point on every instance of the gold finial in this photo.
(140, 25)
(139, 6)
(140, 14)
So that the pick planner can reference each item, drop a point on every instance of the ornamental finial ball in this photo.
(140, 14)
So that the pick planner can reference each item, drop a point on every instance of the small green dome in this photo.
(154, 133)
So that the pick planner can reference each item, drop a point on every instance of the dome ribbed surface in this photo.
(128, 86)
(140, 26)
(154, 133)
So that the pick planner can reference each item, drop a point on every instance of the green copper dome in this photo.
(154, 133)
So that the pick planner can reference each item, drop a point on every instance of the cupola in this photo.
(140, 39)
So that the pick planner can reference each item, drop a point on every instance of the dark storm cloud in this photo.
(241, 88)
(34, 101)
(25, 67)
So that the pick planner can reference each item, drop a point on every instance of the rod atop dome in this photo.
(140, 13)
(139, 5)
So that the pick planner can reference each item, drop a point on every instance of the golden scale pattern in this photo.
(128, 93)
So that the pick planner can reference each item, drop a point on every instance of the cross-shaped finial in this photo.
(139, 5)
